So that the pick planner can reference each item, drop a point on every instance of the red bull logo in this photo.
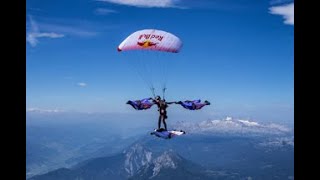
(147, 40)
(146, 43)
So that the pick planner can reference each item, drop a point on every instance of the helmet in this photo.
(158, 97)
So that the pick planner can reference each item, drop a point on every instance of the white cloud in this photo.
(32, 37)
(50, 35)
(74, 29)
(34, 34)
(82, 84)
(145, 3)
(287, 11)
(44, 110)
(104, 11)
(60, 27)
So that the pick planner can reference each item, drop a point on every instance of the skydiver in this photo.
(141, 104)
(162, 108)
(193, 105)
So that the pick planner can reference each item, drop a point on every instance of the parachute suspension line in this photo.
(163, 92)
(167, 63)
(152, 90)
(160, 62)
(145, 69)
(165, 73)
(136, 68)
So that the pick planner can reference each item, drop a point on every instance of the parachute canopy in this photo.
(151, 39)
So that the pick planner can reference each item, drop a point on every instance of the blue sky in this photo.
(238, 54)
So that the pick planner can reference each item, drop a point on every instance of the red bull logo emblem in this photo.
(146, 42)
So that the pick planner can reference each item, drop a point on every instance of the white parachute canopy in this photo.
(151, 39)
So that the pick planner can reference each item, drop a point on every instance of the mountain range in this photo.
(213, 149)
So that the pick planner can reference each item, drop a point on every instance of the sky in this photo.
(238, 54)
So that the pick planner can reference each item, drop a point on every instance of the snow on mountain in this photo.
(135, 157)
(230, 125)
(163, 161)
(248, 123)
